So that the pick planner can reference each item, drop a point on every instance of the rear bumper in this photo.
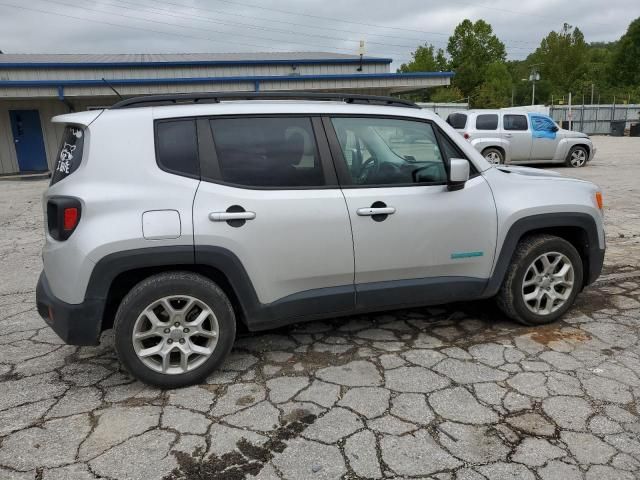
(76, 324)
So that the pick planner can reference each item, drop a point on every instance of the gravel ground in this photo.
(452, 392)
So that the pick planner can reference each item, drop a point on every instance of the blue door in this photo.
(27, 137)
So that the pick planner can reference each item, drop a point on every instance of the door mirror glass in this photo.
(458, 173)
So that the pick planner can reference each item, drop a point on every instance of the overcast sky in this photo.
(390, 28)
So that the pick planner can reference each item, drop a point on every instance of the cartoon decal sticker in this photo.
(76, 132)
(542, 127)
(66, 155)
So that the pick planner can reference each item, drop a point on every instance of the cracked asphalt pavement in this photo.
(453, 392)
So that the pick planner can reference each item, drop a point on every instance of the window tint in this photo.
(487, 122)
(457, 120)
(381, 151)
(515, 122)
(267, 152)
(177, 147)
(69, 154)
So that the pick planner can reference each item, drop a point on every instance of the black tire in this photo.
(170, 284)
(496, 153)
(577, 157)
(510, 298)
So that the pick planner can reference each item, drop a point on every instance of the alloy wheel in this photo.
(493, 157)
(175, 334)
(578, 158)
(548, 283)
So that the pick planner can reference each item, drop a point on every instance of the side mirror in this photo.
(458, 173)
(554, 128)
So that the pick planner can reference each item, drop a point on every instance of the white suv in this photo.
(172, 218)
(513, 137)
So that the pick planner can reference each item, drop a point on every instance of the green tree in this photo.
(625, 65)
(472, 48)
(562, 60)
(425, 59)
(495, 92)
(446, 95)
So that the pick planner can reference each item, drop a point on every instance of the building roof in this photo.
(27, 60)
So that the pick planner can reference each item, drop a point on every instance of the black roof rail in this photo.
(212, 97)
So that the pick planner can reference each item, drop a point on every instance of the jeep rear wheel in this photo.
(577, 157)
(493, 155)
(174, 329)
(542, 281)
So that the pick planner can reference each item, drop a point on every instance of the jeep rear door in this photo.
(270, 202)
(415, 242)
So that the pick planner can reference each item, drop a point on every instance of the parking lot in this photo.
(454, 392)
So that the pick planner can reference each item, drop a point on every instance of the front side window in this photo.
(487, 122)
(69, 154)
(542, 124)
(275, 152)
(382, 151)
(177, 147)
(515, 122)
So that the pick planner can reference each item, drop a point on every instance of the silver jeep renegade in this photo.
(173, 218)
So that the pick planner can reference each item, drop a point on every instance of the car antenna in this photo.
(111, 87)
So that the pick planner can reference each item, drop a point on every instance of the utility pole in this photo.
(533, 78)
(592, 94)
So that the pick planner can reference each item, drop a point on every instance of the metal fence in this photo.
(444, 109)
(595, 119)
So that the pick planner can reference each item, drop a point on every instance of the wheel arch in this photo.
(115, 275)
(579, 229)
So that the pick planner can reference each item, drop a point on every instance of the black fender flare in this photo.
(525, 225)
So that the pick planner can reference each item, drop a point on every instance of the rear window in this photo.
(515, 122)
(457, 120)
(487, 122)
(177, 147)
(69, 154)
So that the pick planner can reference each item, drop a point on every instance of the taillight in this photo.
(63, 216)
(70, 217)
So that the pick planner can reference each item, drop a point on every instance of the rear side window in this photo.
(275, 152)
(487, 122)
(69, 154)
(457, 120)
(515, 122)
(177, 147)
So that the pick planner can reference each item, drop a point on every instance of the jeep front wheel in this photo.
(174, 329)
(542, 281)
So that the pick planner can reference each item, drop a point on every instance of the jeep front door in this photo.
(414, 240)
(269, 203)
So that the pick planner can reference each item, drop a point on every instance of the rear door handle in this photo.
(226, 216)
(369, 211)
(508, 135)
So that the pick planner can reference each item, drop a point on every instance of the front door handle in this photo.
(226, 216)
(508, 135)
(370, 211)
